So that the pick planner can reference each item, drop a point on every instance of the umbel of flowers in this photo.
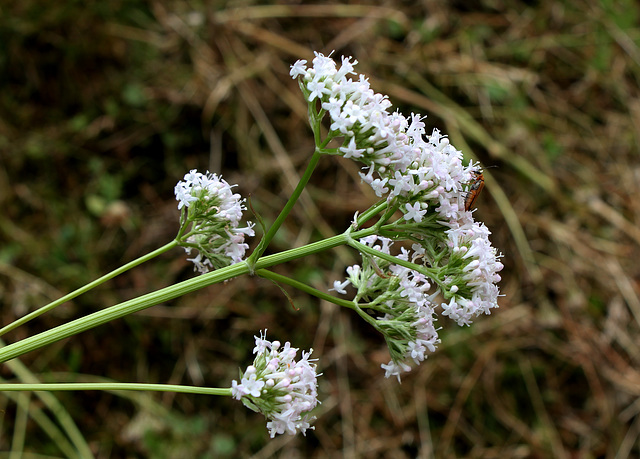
(422, 177)
(210, 219)
(279, 387)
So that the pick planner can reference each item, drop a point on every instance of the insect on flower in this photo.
(474, 190)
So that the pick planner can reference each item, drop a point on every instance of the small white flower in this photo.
(251, 385)
(317, 90)
(299, 68)
(351, 150)
(323, 66)
(333, 106)
(395, 369)
(414, 212)
(340, 287)
(378, 185)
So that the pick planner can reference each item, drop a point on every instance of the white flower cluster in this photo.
(473, 292)
(400, 295)
(419, 174)
(279, 387)
(427, 181)
(210, 221)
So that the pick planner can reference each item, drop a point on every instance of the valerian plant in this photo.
(422, 253)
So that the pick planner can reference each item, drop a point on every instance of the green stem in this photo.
(264, 243)
(317, 293)
(371, 212)
(168, 293)
(86, 288)
(432, 273)
(117, 311)
(116, 386)
(304, 287)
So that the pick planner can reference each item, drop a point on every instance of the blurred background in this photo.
(104, 106)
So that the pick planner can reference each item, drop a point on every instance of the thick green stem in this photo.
(117, 311)
(86, 288)
(168, 293)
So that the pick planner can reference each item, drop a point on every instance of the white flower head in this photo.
(425, 175)
(403, 301)
(474, 291)
(280, 387)
(210, 221)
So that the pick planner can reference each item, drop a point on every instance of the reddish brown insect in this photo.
(474, 190)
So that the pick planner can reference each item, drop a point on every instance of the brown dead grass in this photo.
(546, 93)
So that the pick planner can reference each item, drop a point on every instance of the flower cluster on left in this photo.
(210, 221)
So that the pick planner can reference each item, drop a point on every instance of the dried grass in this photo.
(547, 93)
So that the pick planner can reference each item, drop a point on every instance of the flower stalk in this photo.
(51, 387)
(68, 297)
(166, 294)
